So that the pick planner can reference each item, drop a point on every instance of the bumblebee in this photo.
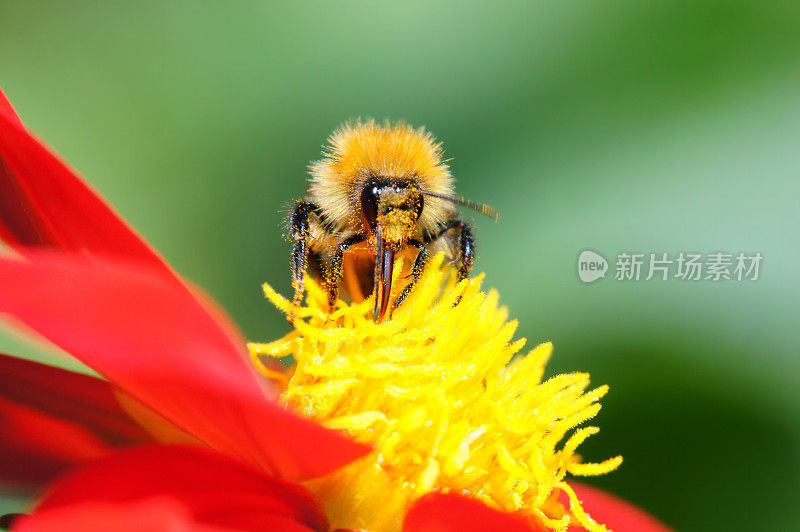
(379, 192)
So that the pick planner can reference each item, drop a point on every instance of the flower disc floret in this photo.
(440, 393)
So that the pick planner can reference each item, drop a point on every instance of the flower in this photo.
(436, 393)
(180, 432)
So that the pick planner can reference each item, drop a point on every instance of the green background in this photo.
(624, 126)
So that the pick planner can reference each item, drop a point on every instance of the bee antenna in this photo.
(460, 200)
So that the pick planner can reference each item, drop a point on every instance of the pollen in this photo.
(445, 398)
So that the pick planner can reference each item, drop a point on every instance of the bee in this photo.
(379, 192)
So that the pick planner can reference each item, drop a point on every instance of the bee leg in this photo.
(334, 271)
(299, 233)
(419, 265)
(466, 244)
(467, 248)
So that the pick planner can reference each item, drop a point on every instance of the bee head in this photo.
(394, 207)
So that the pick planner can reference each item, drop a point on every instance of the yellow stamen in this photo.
(439, 394)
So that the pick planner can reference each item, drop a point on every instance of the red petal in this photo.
(449, 512)
(54, 419)
(213, 489)
(7, 108)
(153, 340)
(154, 515)
(81, 399)
(35, 447)
(44, 203)
(616, 514)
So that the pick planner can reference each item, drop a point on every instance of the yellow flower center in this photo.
(439, 394)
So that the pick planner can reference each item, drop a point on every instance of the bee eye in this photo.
(369, 204)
